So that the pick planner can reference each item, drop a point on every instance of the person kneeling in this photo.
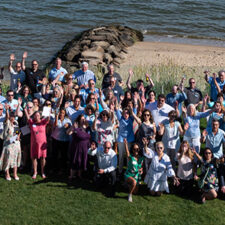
(105, 167)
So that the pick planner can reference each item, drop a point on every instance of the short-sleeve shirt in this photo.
(194, 96)
(213, 91)
(73, 113)
(15, 77)
(59, 132)
(83, 77)
(107, 77)
(55, 72)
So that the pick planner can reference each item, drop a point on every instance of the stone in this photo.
(97, 49)
(102, 44)
(97, 38)
(85, 42)
(92, 54)
(107, 58)
(99, 46)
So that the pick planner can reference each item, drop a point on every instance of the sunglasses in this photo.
(30, 107)
(107, 147)
(1, 109)
(34, 64)
(146, 114)
(10, 95)
(104, 114)
(136, 149)
(208, 153)
(159, 147)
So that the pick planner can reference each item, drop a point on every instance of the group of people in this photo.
(65, 120)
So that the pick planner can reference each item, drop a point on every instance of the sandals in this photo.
(34, 176)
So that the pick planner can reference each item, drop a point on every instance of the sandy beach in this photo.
(151, 53)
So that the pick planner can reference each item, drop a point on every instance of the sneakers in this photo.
(130, 198)
(43, 176)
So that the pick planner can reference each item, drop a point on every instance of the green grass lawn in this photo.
(53, 201)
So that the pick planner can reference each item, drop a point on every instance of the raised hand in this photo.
(145, 141)
(214, 76)
(184, 109)
(12, 57)
(19, 101)
(24, 55)
(100, 92)
(186, 126)
(204, 133)
(131, 72)
(67, 104)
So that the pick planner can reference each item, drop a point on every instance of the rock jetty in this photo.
(98, 46)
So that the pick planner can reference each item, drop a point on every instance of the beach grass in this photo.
(164, 75)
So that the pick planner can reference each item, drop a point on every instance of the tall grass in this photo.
(164, 75)
(168, 73)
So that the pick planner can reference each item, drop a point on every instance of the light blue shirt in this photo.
(2, 99)
(85, 92)
(14, 76)
(73, 113)
(83, 77)
(13, 104)
(193, 130)
(171, 99)
(54, 73)
(125, 128)
(213, 91)
(59, 132)
(215, 143)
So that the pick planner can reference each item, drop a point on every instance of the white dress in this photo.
(156, 178)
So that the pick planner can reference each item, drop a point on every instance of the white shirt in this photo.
(159, 114)
(106, 161)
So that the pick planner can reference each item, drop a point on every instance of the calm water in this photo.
(42, 27)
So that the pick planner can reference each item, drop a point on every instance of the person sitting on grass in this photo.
(160, 169)
(105, 168)
(134, 169)
(185, 159)
(208, 181)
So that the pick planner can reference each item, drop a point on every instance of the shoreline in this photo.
(152, 53)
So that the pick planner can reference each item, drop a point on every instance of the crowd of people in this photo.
(69, 126)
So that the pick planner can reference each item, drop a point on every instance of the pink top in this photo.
(38, 145)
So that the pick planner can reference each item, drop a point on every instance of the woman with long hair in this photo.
(208, 181)
(79, 146)
(185, 158)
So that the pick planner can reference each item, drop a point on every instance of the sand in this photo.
(149, 53)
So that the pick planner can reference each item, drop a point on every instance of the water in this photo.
(43, 27)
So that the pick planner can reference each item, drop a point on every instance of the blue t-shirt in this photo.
(213, 91)
(54, 73)
(125, 128)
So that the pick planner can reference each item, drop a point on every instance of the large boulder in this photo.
(98, 46)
